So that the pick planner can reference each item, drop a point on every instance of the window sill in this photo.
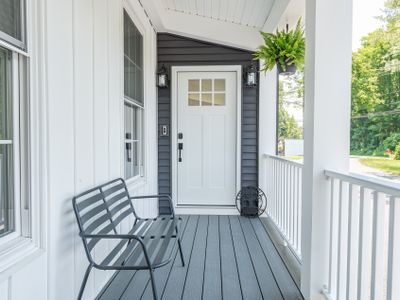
(15, 254)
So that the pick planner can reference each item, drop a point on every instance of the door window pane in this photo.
(219, 85)
(194, 99)
(206, 99)
(206, 85)
(219, 99)
(206, 92)
(194, 85)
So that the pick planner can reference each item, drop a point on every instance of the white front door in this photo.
(207, 103)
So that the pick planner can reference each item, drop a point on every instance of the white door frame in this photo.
(174, 138)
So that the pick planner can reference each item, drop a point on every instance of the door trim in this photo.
(174, 126)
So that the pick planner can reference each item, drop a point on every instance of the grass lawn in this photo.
(387, 165)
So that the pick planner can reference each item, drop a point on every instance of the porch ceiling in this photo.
(252, 13)
(231, 22)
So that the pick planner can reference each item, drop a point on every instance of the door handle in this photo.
(180, 148)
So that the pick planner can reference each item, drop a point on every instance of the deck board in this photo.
(231, 288)
(193, 287)
(285, 281)
(212, 268)
(227, 257)
(248, 279)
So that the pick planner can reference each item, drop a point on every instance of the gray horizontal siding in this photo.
(175, 50)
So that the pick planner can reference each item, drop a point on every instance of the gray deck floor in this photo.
(227, 257)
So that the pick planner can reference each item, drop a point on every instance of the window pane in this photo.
(133, 52)
(194, 85)
(132, 122)
(132, 166)
(6, 148)
(6, 193)
(219, 99)
(206, 85)
(5, 103)
(11, 18)
(133, 140)
(138, 84)
(219, 85)
(194, 99)
(206, 99)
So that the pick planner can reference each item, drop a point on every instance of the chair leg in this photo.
(180, 252)
(153, 284)
(85, 278)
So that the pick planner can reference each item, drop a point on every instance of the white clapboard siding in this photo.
(83, 61)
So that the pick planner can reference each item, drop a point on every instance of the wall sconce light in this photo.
(250, 77)
(162, 77)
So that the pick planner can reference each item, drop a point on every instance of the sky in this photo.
(364, 21)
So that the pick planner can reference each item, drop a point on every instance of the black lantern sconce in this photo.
(162, 77)
(250, 76)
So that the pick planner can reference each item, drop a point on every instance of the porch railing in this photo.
(283, 187)
(364, 238)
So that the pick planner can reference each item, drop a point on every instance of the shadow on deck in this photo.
(227, 257)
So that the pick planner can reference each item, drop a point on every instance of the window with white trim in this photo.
(133, 99)
(14, 178)
(12, 22)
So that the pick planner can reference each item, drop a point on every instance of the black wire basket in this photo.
(251, 201)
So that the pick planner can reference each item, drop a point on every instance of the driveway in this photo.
(357, 167)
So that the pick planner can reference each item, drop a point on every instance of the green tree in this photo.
(287, 125)
(376, 85)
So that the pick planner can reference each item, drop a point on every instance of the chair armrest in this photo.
(160, 196)
(111, 236)
(119, 237)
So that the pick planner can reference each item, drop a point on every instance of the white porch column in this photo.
(326, 128)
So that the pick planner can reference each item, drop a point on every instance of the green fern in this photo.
(283, 48)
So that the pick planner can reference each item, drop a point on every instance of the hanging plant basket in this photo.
(282, 47)
(287, 70)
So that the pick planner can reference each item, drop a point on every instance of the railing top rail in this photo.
(285, 160)
(378, 185)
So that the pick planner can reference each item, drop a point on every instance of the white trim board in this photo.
(174, 127)
(206, 210)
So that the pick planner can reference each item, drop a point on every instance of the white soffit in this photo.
(251, 13)
(231, 22)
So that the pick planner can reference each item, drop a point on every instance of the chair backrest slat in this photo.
(98, 224)
(109, 188)
(100, 210)
(93, 212)
(116, 197)
(81, 205)
(121, 217)
(120, 207)
(93, 216)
